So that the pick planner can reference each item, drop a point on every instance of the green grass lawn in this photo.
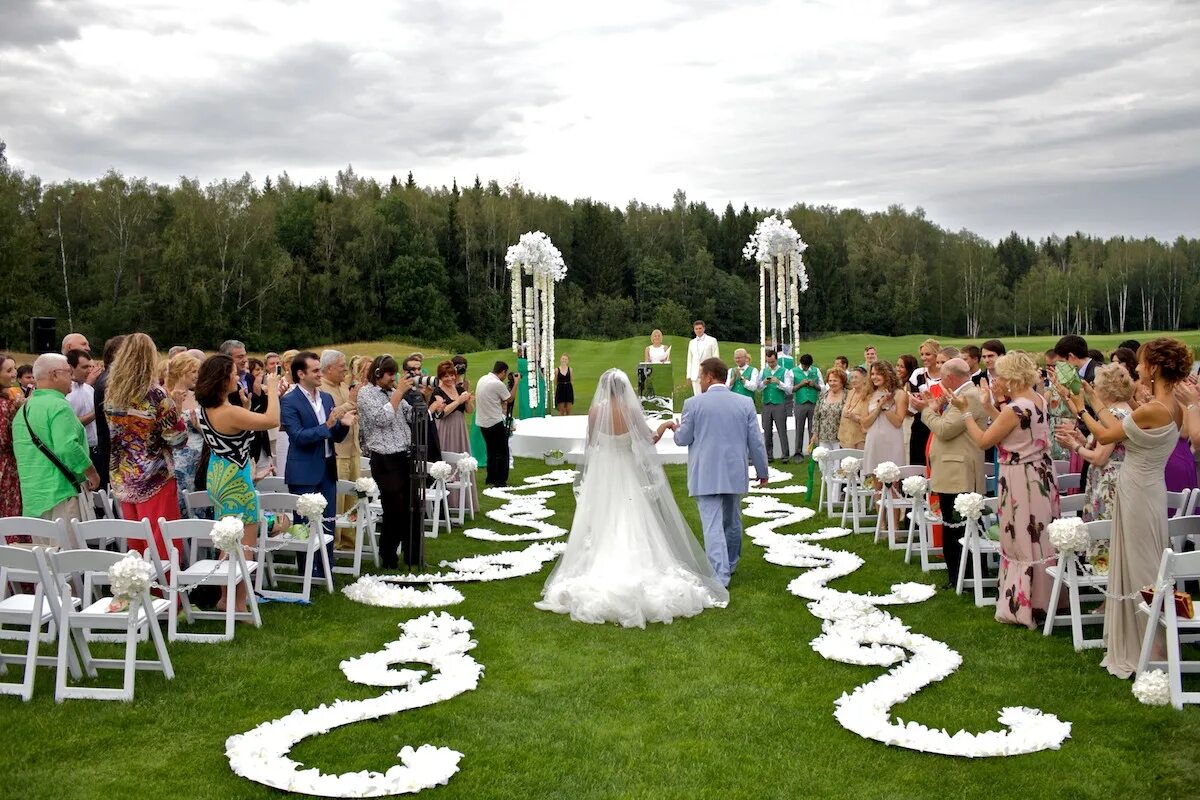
(731, 703)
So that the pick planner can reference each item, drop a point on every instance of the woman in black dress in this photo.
(564, 389)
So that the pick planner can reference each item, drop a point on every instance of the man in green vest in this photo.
(806, 389)
(776, 383)
(743, 378)
(48, 490)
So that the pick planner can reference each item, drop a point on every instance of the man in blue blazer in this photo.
(313, 425)
(722, 434)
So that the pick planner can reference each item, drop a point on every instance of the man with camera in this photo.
(419, 397)
(493, 394)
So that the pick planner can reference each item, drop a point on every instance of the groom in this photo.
(720, 430)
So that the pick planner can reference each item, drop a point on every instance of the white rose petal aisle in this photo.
(855, 631)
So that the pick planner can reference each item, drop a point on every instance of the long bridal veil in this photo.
(631, 556)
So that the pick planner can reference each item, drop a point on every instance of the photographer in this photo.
(420, 396)
(492, 395)
(385, 417)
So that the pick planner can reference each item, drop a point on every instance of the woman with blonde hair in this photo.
(1028, 489)
(181, 380)
(144, 425)
(1113, 390)
(923, 379)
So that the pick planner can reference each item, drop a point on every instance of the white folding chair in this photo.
(1062, 466)
(188, 536)
(103, 504)
(58, 568)
(464, 485)
(895, 501)
(1190, 508)
(199, 505)
(920, 535)
(271, 483)
(1082, 587)
(1179, 502)
(1070, 505)
(977, 547)
(437, 508)
(829, 477)
(313, 548)
(1173, 569)
(45, 532)
(22, 617)
(99, 534)
(356, 519)
(1068, 482)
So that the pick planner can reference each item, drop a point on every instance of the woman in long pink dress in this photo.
(1028, 490)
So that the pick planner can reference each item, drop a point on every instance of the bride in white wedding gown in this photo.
(630, 557)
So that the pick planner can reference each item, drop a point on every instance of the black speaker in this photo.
(43, 335)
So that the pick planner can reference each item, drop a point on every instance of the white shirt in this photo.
(491, 394)
(83, 401)
(699, 349)
(318, 408)
(750, 377)
(660, 354)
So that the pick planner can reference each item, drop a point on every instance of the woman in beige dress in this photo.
(851, 433)
(1139, 532)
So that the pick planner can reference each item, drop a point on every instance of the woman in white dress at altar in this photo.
(631, 557)
(656, 353)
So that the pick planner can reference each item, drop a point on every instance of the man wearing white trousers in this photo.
(720, 430)
(701, 348)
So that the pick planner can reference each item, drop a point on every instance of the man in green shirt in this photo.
(806, 389)
(776, 383)
(743, 378)
(45, 490)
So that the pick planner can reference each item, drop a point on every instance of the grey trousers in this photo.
(775, 416)
(804, 417)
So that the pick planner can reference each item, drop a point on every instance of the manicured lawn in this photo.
(732, 703)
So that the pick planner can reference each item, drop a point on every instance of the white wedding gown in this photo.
(630, 557)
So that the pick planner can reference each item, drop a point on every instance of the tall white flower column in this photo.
(533, 310)
(778, 250)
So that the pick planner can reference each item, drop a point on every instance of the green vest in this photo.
(739, 385)
(773, 394)
(805, 394)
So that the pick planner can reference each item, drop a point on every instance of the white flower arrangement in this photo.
(466, 465)
(128, 580)
(366, 487)
(1068, 535)
(227, 533)
(887, 472)
(533, 320)
(970, 505)
(819, 453)
(850, 465)
(914, 485)
(311, 506)
(261, 754)
(1153, 688)
(778, 251)
(440, 471)
(373, 591)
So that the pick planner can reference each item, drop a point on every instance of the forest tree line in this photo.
(280, 264)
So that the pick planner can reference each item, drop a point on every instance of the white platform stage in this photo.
(537, 435)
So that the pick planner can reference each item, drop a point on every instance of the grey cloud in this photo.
(29, 23)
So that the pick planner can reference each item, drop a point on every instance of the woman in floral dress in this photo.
(1113, 390)
(10, 488)
(1028, 490)
(827, 417)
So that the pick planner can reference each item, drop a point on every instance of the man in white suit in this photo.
(699, 349)
(721, 431)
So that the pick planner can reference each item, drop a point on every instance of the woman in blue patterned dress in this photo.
(228, 431)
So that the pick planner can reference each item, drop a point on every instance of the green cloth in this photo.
(739, 385)
(524, 408)
(773, 394)
(54, 421)
(805, 394)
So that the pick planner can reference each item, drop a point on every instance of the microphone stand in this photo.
(418, 473)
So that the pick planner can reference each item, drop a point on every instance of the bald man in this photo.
(75, 341)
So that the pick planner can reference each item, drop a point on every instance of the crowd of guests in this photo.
(1129, 424)
(150, 430)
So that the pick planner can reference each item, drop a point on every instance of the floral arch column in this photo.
(536, 256)
(778, 250)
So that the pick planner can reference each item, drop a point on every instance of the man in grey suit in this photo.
(721, 431)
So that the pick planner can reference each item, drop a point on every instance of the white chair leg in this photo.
(1076, 619)
(1055, 593)
(328, 569)
(1154, 614)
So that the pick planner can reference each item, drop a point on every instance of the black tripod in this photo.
(418, 471)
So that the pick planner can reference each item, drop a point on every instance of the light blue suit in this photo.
(721, 431)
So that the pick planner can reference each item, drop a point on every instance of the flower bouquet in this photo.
(366, 487)
(128, 580)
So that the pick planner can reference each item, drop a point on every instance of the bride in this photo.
(630, 557)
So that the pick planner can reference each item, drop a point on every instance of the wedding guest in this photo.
(923, 379)
(82, 396)
(776, 385)
(701, 348)
(75, 341)
(743, 379)
(144, 425)
(313, 425)
(806, 390)
(1095, 355)
(885, 411)
(195, 353)
(850, 431)
(972, 355)
(1060, 414)
(564, 386)
(656, 353)
(103, 435)
(182, 371)
(175, 350)
(46, 491)
(280, 444)
(870, 356)
(1126, 358)
(256, 371)
(412, 366)
(1131, 344)
(946, 353)
(452, 424)
(386, 420)
(1051, 358)
(227, 428)
(10, 484)
(1139, 509)
(955, 460)
(1113, 391)
(827, 417)
(906, 365)
(25, 379)
(492, 395)
(1028, 490)
(842, 363)
(347, 452)
(237, 351)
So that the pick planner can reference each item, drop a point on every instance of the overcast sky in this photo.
(1039, 115)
